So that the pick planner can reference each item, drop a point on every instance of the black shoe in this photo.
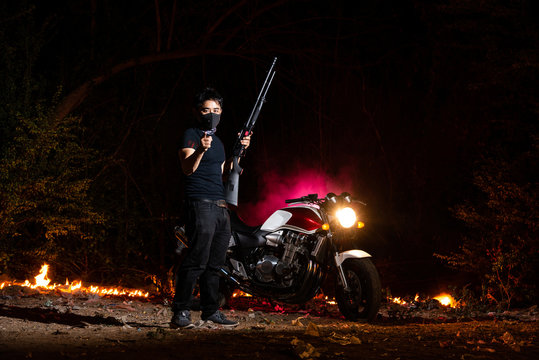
(220, 319)
(182, 319)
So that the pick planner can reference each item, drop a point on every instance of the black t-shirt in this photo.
(206, 182)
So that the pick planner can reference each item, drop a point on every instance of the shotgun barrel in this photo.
(232, 184)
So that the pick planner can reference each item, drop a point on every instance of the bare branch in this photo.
(158, 25)
(77, 96)
(171, 29)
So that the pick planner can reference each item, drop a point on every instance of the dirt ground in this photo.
(56, 325)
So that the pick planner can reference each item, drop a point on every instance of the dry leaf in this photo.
(334, 334)
(339, 341)
(309, 352)
(515, 347)
(312, 329)
(124, 306)
(444, 344)
(304, 350)
(343, 340)
(507, 338)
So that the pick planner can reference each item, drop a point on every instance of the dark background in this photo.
(396, 102)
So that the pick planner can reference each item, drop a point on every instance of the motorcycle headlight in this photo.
(346, 216)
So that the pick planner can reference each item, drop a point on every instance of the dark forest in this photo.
(425, 110)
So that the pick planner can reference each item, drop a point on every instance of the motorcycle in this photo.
(298, 251)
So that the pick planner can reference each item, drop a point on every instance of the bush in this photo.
(46, 213)
(501, 245)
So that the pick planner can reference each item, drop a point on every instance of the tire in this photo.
(363, 301)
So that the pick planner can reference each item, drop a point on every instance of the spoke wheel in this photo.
(362, 302)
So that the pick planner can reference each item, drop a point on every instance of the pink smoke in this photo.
(275, 188)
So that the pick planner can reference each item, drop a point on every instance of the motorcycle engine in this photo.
(264, 268)
(280, 262)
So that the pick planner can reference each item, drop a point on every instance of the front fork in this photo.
(324, 244)
(340, 257)
(342, 276)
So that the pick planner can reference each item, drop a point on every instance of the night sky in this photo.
(396, 102)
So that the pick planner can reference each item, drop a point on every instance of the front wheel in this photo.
(362, 302)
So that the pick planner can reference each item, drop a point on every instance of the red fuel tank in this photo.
(300, 218)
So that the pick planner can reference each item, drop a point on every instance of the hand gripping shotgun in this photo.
(231, 186)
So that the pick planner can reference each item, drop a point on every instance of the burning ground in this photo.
(41, 323)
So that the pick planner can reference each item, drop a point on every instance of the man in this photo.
(202, 158)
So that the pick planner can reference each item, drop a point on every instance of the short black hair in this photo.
(205, 95)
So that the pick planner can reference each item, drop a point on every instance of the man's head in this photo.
(207, 94)
(208, 107)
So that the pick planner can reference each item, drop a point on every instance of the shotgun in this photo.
(231, 186)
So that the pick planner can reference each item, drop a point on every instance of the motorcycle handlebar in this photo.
(289, 201)
(308, 198)
(313, 198)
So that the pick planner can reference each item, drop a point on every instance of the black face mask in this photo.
(209, 121)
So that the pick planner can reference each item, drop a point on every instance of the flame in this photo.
(446, 300)
(239, 293)
(75, 286)
(401, 301)
(398, 300)
(42, 279)
(42, 282)
(330, 301)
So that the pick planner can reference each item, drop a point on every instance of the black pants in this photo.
(208, 231)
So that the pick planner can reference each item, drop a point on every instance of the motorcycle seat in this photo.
(239, 226)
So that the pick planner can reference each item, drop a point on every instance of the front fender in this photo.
(350, 254)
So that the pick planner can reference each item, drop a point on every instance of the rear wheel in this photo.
(362, 302)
